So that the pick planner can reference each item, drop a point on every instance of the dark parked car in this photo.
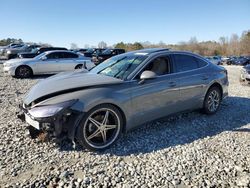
(122, 93)
(108, 53)
(93, 51)
(38, 51)
(238, 61)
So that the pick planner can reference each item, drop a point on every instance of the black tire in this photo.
(78, 66)
(23, 72)
(87, 128)
(212, 100)
(241, 80)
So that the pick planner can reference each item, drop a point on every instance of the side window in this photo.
(159, 65)
(114, 52)
(184, 63)
(201, 62)
(55, 55)
(70, 55)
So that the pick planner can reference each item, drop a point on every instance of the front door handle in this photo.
(172, 84)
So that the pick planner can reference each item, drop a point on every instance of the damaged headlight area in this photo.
(50, 110)
(53, 120)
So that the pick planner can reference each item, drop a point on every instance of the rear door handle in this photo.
(172, 84)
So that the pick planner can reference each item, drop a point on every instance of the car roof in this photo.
(151, 50)
(156, 51)
(46, 47)
(47, 52)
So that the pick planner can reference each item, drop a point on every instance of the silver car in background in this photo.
(12, 52)
(122, 93)
(50, 62)
(245, 74)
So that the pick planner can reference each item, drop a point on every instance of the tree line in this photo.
(234, 45)
(225, 46)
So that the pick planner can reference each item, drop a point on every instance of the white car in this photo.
(50, 62)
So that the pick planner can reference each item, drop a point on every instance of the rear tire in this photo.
(212, 101)
(100, 127)
(23, 72)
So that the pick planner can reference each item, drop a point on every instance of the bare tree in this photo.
(73, 46)
(86, 46)
(245, 43)
(102, 44)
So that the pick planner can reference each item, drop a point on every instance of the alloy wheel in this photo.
(23, 72)
(213, 101)
(101, 128)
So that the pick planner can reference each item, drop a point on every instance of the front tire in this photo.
(23, 72)
(78, 66)
(100, 127)
(212, 100)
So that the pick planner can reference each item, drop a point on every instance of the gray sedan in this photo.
(122, 93)
(50, 62)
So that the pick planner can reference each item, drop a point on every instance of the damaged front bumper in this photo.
(62, 123)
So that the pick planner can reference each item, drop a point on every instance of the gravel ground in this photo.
(188, 150)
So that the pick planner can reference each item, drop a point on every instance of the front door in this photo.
(51, 64)
(158, 97)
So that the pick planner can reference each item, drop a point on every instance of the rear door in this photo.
(192, 78)
(69, 61)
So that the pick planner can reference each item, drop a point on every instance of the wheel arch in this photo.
(32, 72)
(218, 85)
(79, 64)
(214, 84)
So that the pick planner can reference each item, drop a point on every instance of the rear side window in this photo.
(55, 55)
(70, 55)
(201, 62)
(184, 63)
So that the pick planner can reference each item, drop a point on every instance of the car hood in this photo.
(14, 62)
(67, 82)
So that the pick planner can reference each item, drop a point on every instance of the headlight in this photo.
(8, 52)
(50, 110)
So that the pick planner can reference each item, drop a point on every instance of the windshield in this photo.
(107, 51)
(34, 50)
(40, 55)
(90, 50)
(119, 66)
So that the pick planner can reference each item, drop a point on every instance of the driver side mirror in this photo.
(146, 75)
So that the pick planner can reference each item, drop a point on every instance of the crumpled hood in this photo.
(13, 62)
(64, 82)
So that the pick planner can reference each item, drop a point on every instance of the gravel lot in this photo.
(189, 150)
